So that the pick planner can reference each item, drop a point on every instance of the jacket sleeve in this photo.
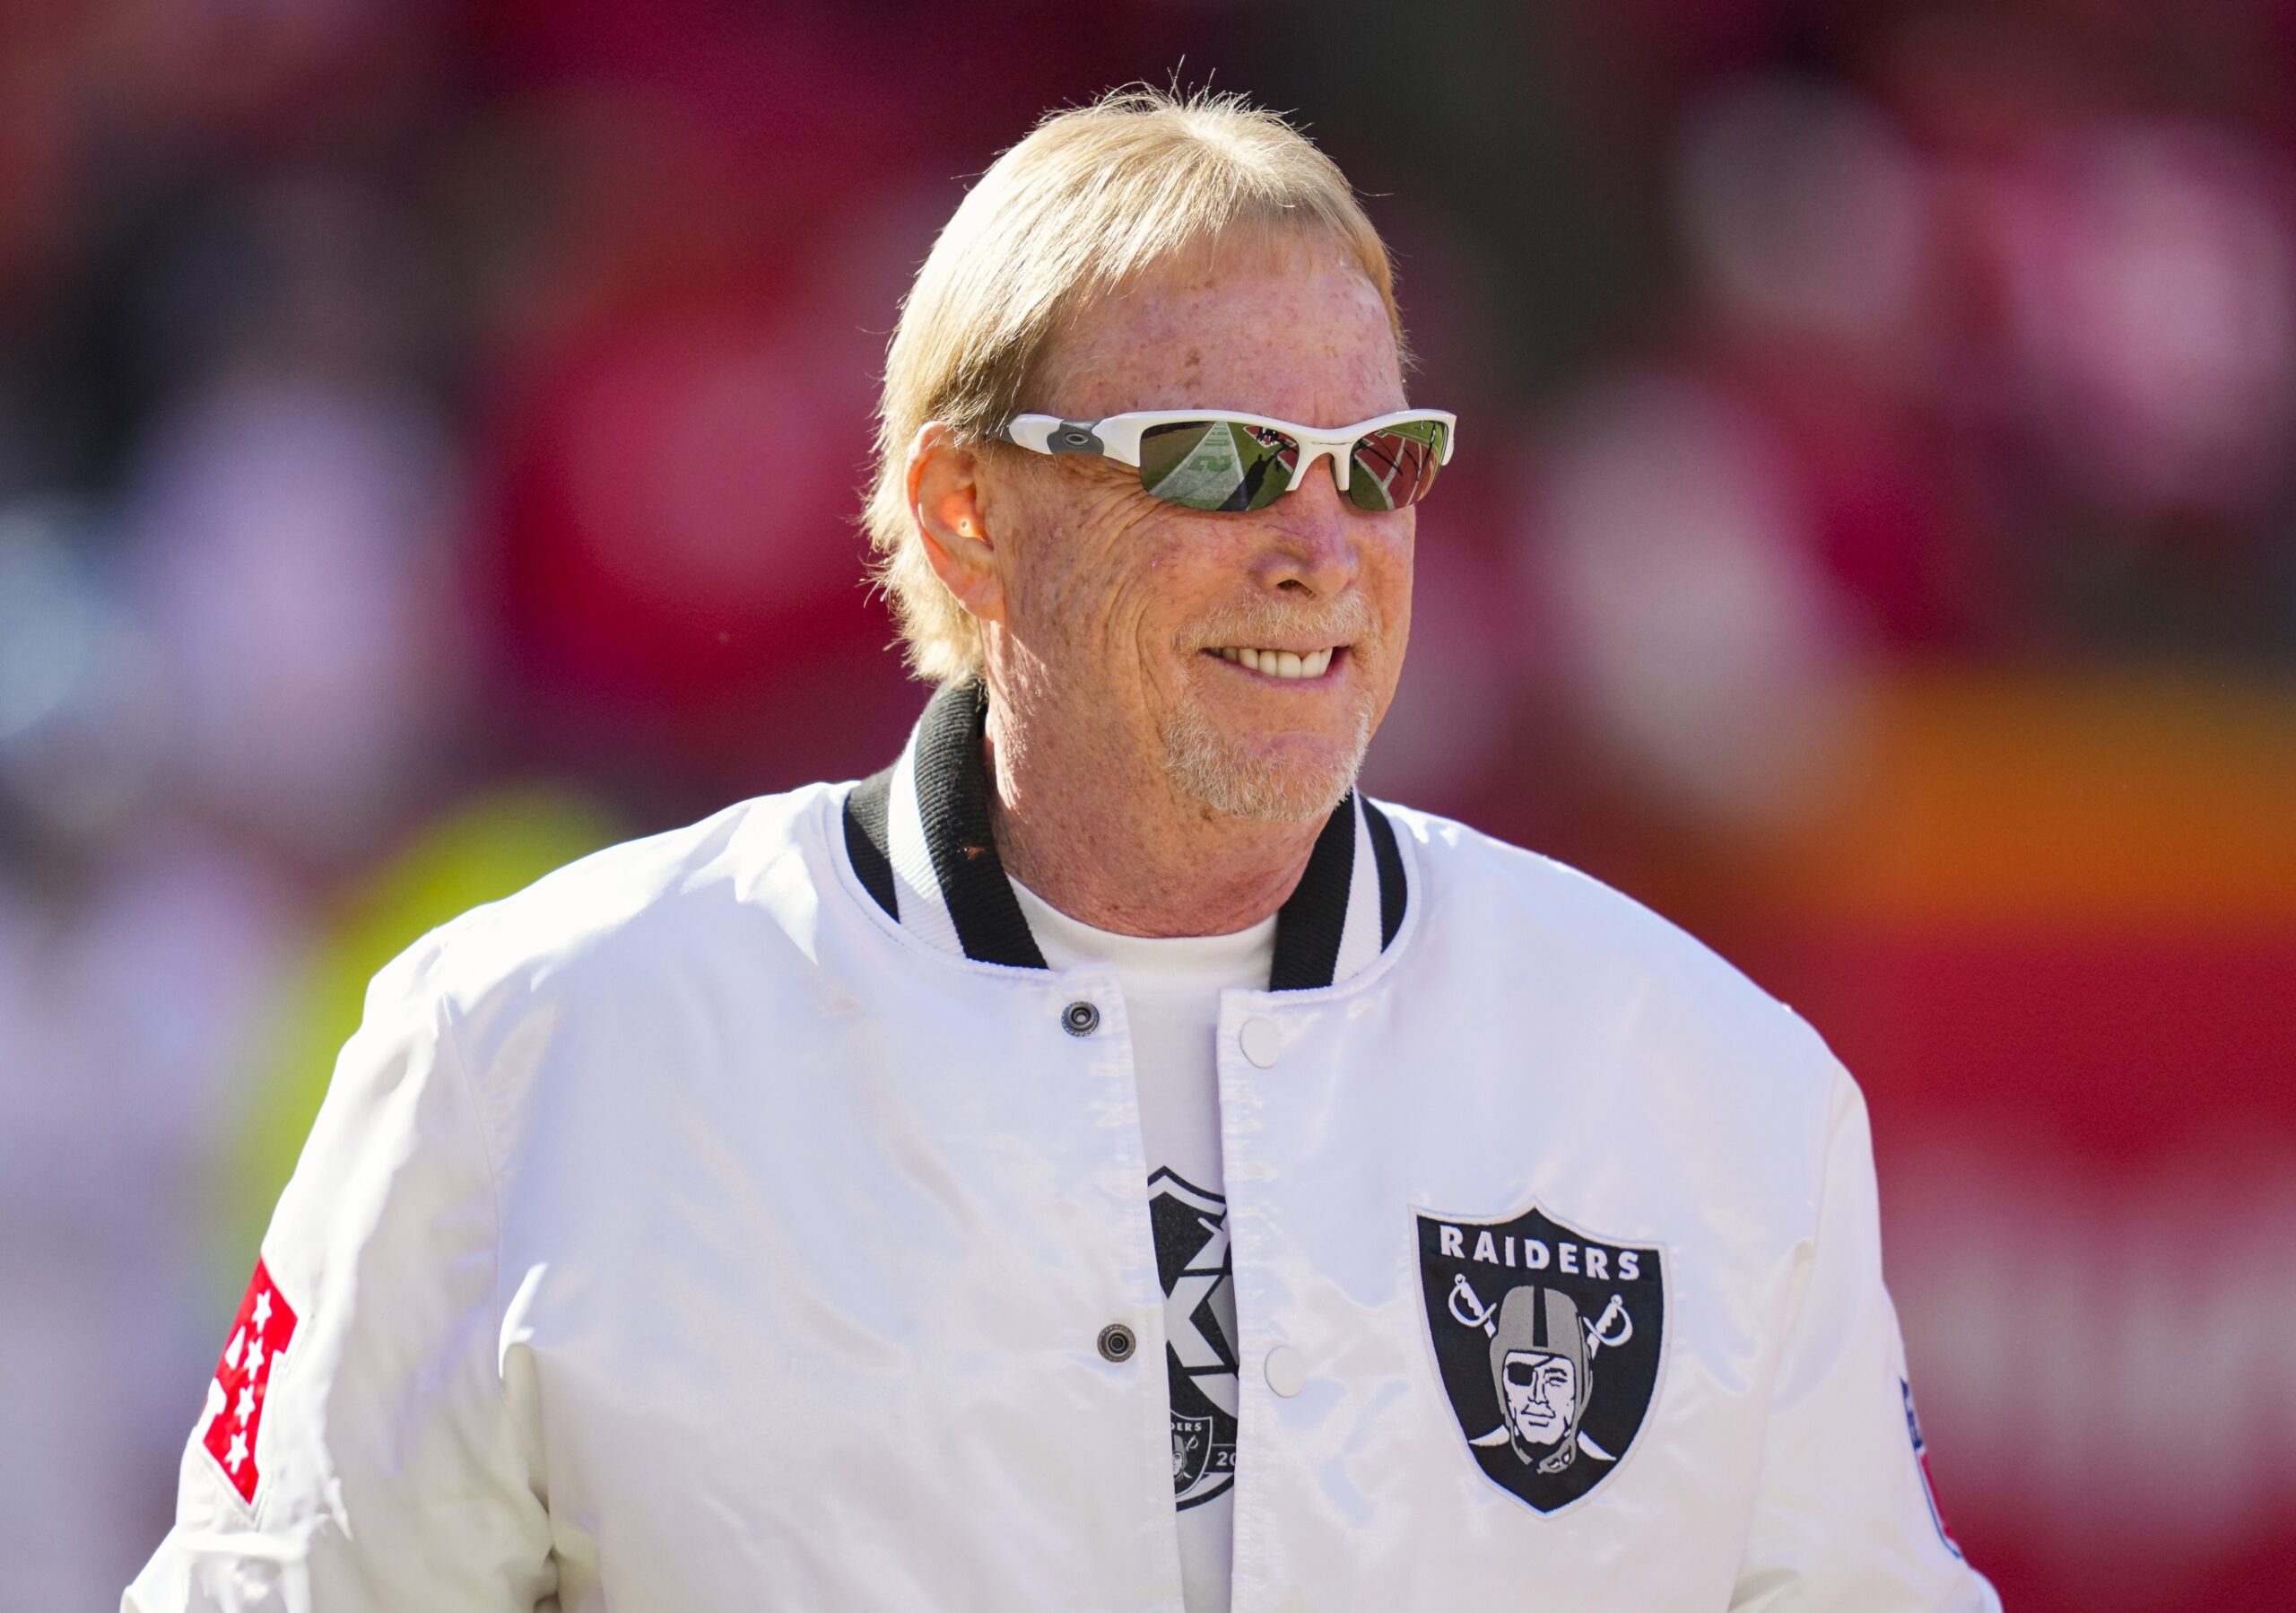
(1844, 1521)
(359, 1448)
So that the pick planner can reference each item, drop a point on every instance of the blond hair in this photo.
(1094, 197)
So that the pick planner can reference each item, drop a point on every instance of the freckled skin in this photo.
(1097, 603)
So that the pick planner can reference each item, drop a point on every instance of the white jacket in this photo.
(736, 1219)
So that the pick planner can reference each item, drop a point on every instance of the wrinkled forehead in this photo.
(1284, 324)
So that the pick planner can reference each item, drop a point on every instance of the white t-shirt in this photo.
(1172, 997)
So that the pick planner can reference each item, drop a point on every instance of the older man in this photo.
(1101, 1162)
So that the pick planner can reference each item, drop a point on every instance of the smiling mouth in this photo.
(1290, 665)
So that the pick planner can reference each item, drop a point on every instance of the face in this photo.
(1127, 614)
(1542, 1392)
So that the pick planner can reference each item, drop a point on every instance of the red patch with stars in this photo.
(261, 1333)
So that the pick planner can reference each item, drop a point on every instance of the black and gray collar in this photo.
(919, 838)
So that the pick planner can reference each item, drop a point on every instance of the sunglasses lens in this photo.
(1216, 464)
(1389, 469)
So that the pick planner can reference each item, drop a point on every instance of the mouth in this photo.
(1286, 665)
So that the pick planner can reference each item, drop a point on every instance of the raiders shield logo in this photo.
(1548, 1344)
(1193, 1438)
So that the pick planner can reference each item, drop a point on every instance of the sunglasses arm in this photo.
(1114, 438)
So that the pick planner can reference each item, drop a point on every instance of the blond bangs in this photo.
(1089, 201)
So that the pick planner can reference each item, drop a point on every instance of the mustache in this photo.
(1346, 620)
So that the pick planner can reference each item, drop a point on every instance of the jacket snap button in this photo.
(1287, 1370)
(1261, 1042)
(1079, 1019)
(1117, 1342)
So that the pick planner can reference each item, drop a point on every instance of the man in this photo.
(1089, 1164)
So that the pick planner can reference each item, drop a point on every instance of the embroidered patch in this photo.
(1921, 1460)
(1193, 1263)
(1548, 1344)
(261, 1333)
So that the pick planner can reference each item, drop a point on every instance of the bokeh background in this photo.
(430, 432)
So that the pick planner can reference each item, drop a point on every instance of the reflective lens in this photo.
(1217, 464)
(1227, 465)
(1389, 469)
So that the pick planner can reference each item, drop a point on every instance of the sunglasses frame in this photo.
(1117, 437)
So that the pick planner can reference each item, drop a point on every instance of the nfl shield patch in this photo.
(1548, 1343)
(261, 1333)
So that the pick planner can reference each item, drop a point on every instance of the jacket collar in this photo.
(919, 840)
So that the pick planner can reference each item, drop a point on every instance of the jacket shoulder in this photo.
(1484, 899)
(635, 910)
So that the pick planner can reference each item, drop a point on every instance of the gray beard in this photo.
(1209, 768)
(1234, 782)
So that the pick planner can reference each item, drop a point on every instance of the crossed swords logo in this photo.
(1613, 1329)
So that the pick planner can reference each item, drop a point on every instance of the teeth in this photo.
(1280, 663)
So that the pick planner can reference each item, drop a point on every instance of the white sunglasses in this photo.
(1212, 460)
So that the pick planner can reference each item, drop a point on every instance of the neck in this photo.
(1116, 845)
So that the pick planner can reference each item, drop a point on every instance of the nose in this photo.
(1311, 546)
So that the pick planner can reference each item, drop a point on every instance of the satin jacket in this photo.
(745, 1219)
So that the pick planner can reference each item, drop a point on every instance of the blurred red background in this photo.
(430, 437)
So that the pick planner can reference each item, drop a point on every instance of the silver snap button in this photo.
(1261, 1040)
(1079, 1019)
(1287, 1370)
(1117, 1342)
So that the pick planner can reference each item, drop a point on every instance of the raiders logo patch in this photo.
(1548, 1343)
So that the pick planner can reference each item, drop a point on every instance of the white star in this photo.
(238, 1343)
(263, 1308)
(255, 1357)
(238, 1453)
(246, 1408)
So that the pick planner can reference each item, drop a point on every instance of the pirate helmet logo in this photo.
(1192, 1443)
(1538, 1368)
(1546, 1342)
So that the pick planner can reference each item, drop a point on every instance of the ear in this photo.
(944, 500)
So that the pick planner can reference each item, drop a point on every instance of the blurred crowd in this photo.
(430, 440)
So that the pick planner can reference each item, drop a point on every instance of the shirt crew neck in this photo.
(1242, 958)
